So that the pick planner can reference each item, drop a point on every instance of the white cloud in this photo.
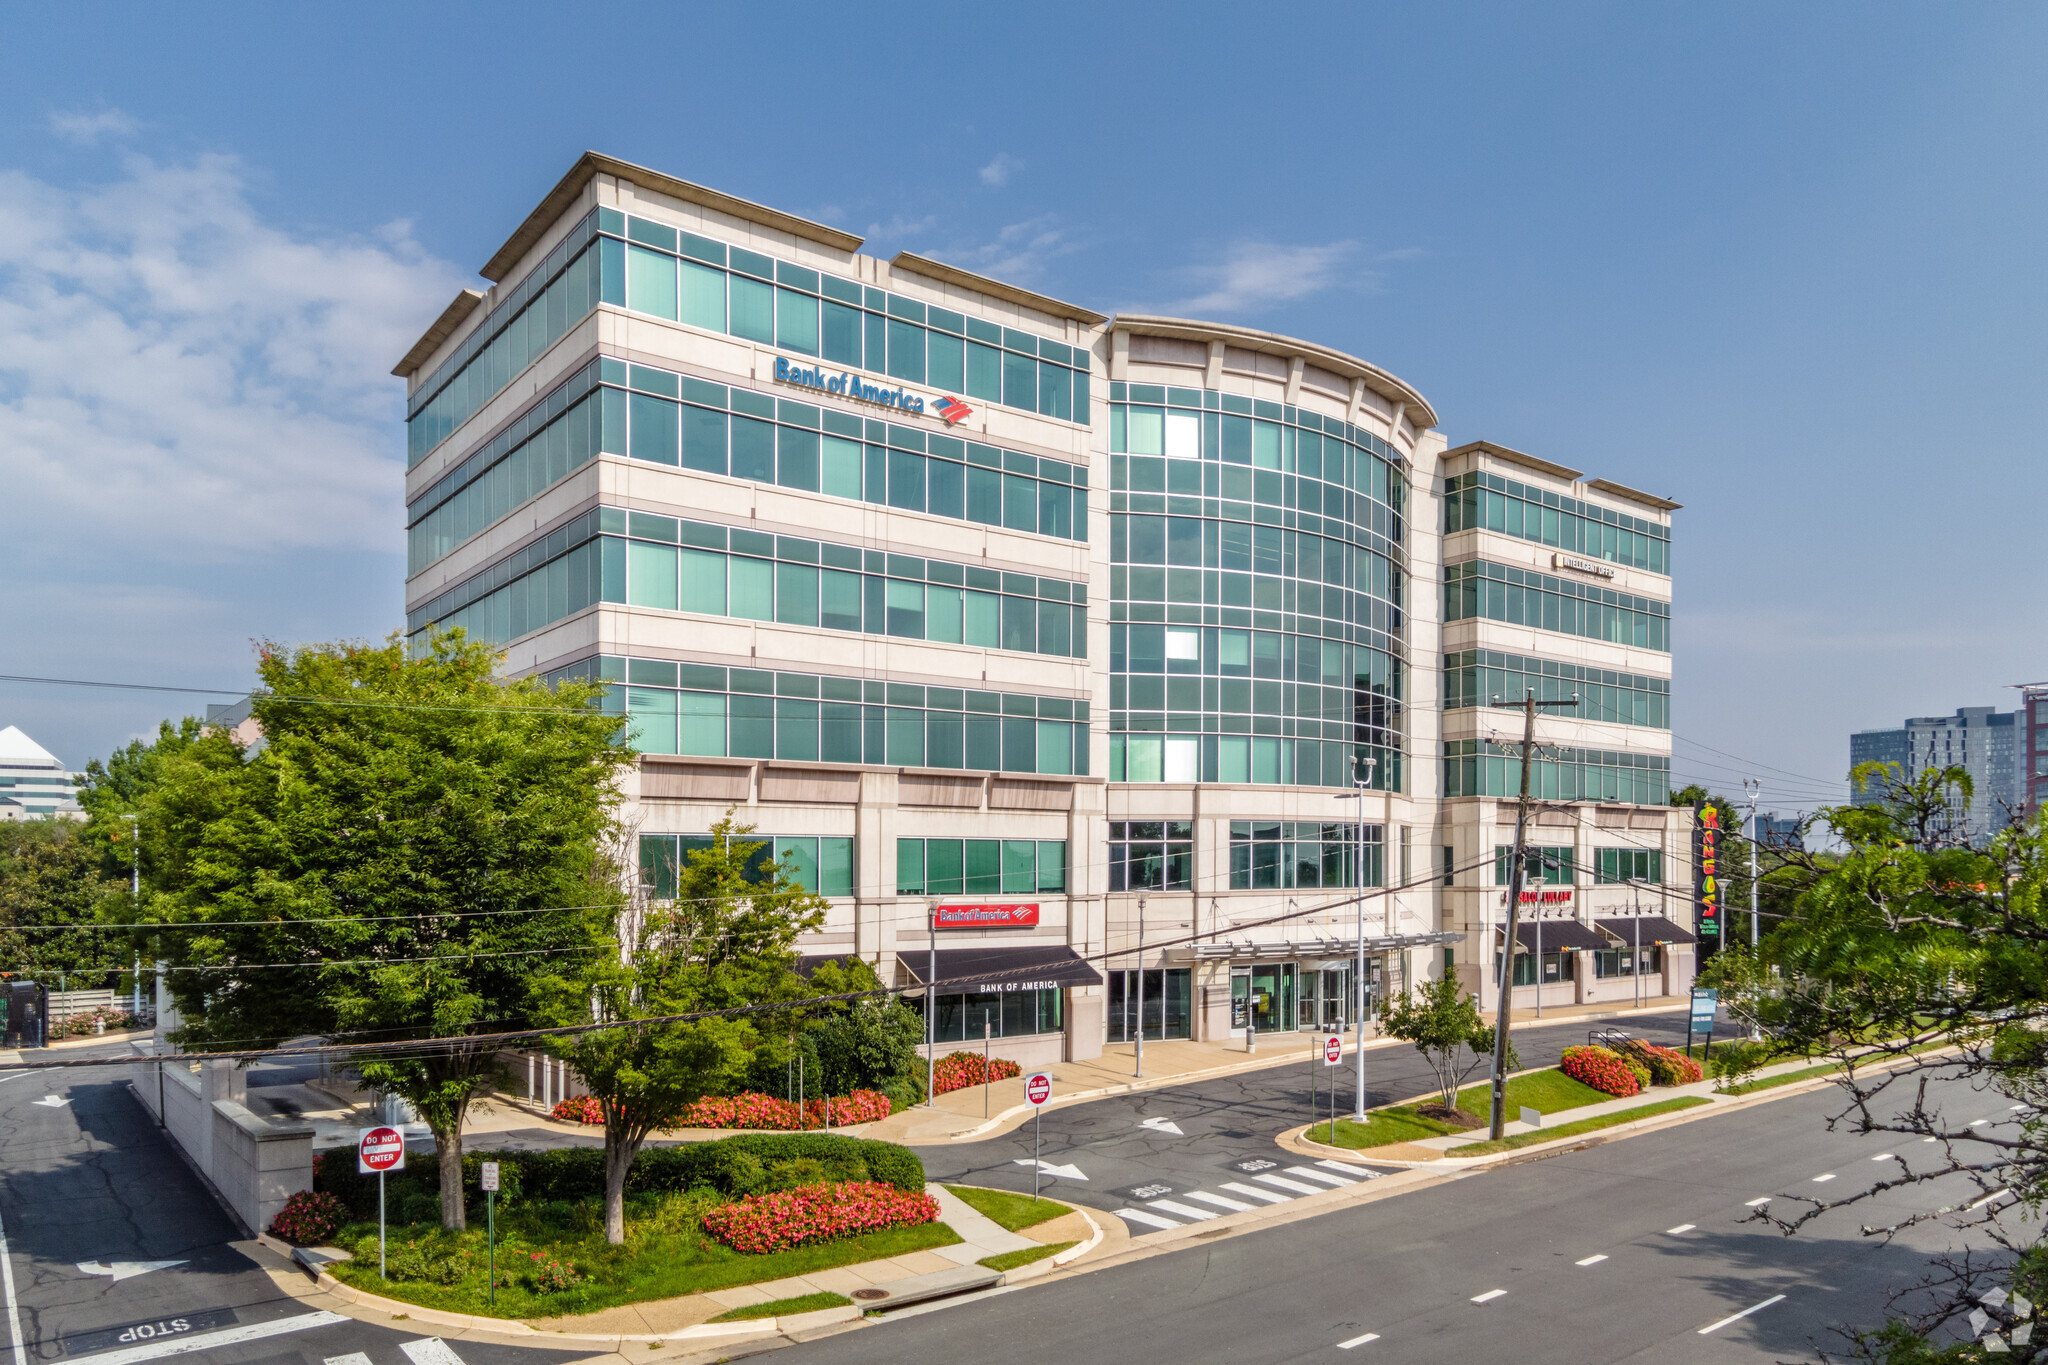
(183, 375)
(899, 227)
(998, 172)
(1254, 275)
(86, 127)
(1019, 252)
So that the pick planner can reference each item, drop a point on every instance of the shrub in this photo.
(816, 1213)
(737, 1172)
(1603, 1069)
(959, 1070)
(1733, 1062)
(309, 1217)
(550, 1276)
(1669, 1066)
(581, 1109)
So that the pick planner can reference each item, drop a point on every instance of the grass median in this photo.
(1592, 1125)
(1550, 1091)
(1013, 1212)
(802, 1303)
(1010, 1260)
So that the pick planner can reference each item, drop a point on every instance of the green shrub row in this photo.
(734, 1166)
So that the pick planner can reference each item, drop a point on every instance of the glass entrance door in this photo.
(1240, 998)
(1272, 997)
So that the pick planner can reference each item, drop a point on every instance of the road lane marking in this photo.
(1757, 1203)
(1682, 1227)
(1282, 1182)
(1311, 1173)
(177, 1346)
(1150, 1219)
(1737, 1317)
(13, 1310)
(1489, 1296)
(352, 1358)
(1163, 1126)
(1824, 1179)
(1989, 1198)
(429, 1351)
(1180, 1210)
(1254, 1192)
(1234, 1205)
(1358, 1341)
(1978, 1123)
(1882, 1156)
(1592, 1260)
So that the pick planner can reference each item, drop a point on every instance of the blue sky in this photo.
(1780, 263)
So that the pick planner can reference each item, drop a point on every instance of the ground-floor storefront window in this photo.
(1262, 997)
(1625, 962)
(1167, 997)
(1004, 1014)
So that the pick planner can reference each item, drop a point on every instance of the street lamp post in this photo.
(1370, 763)
(931, 1013)
(135, 899)
(1139, 1070)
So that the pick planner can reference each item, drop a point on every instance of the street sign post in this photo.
(1333, 1053)
(1037, 1090)
(380, 1149)
(490, 1184)
(1704, 1004)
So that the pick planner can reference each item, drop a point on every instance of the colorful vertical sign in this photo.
(1706, 875)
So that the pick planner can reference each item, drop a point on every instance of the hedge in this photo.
(1603, 1069)
(730, 1165)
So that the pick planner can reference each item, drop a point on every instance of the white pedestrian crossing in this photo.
(1254, 1192)
(1149, 1219)
(1311, 1173)
(1200, 1206)
(1234, 1205)
(1179, 1210)
(1282, 1182)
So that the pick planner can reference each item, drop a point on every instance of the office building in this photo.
(33, 784)
(964, 594)
(1984, 742)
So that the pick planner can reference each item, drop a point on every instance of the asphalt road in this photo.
(1636, 1250)
(112, 1245)
(1212, 1134)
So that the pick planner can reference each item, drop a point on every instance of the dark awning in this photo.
(1655, 929)
(1001, 969)
(1558, 935)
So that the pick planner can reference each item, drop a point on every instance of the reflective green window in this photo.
(841, 334)
(906, 351)
(704, 440)
(906, 610)
(841, 473)
(796, 594)
(703, 296)
(839, 601)
(946, 360)
(982, 621)
(796, 458)
(653, 713)
(752, 588)
(650, 282)
(701, 728)
(753, 310)
(1020, 381)
(943, 614)
(703, 582)
(654, 430)
(651, 576)
(796, 322)
(984, 372)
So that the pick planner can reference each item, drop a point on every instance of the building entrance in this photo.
(1264, 996)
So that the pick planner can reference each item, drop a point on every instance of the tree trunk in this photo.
(621, 1145)
(448, 1145)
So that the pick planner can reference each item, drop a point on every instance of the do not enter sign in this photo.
(380, 1149)
(1038, 1087)
(1333, 1049)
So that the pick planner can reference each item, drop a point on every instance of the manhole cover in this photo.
(871, 1294)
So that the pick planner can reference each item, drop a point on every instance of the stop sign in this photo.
(1333, 1049)
(1038, 1087)
(380, 1149)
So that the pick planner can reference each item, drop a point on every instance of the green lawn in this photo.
(1535, 1136)
(666, 1254)
(1013, 1211)
(1803, 1074)
(776, 1308)
(1549, 1091)
(1010, 1260)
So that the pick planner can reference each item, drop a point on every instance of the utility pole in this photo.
(1754, 787)
(1503, 1007)
(1139, 1070)
(1370, 762)
(135, 897)
(931, 1015)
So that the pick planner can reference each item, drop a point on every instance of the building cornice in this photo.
(1417, 409)
(910, 263)
(431, 340)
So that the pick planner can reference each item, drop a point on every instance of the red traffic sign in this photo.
(1038, 1087)
(380, 1149)
(1333, 1049)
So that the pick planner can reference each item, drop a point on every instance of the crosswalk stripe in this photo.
(1235, 1206)
(1286, 1184)
(177, 1346)
(352, 1358)
(1179, 1210)
(1140, 1216)
(1347, 1168)
(1255, 1192)
(430, 1351)
(1311, 1173)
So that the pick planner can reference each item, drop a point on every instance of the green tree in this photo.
(411, 846)
(725, 941)
(1444, 1024)
(874, 1044)
(1922, 965)
(52, 890)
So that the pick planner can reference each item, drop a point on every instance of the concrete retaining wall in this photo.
(253, 1164)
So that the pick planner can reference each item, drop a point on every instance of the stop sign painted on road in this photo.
(1333, 1049)
(1038, 1087)
(380, 1149)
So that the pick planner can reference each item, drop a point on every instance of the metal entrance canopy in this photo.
(1346, 948)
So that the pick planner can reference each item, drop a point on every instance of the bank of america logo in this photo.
(953, 410)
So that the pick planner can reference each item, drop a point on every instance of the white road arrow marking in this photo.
(1163, 1126)
(1047, 1168)
(52, 1102)
(124, 1270)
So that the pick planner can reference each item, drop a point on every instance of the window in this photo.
(1280, 853)
(999, 1014)
(1549, 866)
(980, 867)
(1167, 997)
(824, 865)
(1151, 855)
(1630, 865)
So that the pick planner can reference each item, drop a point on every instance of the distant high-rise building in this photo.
(33, 783)
(1775, 832)
(1982, 741)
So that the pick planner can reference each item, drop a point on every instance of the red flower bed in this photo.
(1669, 1066)
(1601, 1068)
(958, 1070)
(816, 1213)
(309, 1217)
(754, 1110)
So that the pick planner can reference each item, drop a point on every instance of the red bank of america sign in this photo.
(1005, 916)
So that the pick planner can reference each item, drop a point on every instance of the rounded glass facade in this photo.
(1256, 589)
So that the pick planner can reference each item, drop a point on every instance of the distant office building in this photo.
(1982, 741)
(2031, 748)
(1775, 832)
(33, 784)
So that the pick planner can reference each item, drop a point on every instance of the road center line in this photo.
(13, 1309)
(1592, 1260)
(1757, 1203)
(1737, 1317)
(1682, 1227)
(1358, 1341)
(1882, 1156)
(1824, 1179)
(177, 1346)
(1488, 1296)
